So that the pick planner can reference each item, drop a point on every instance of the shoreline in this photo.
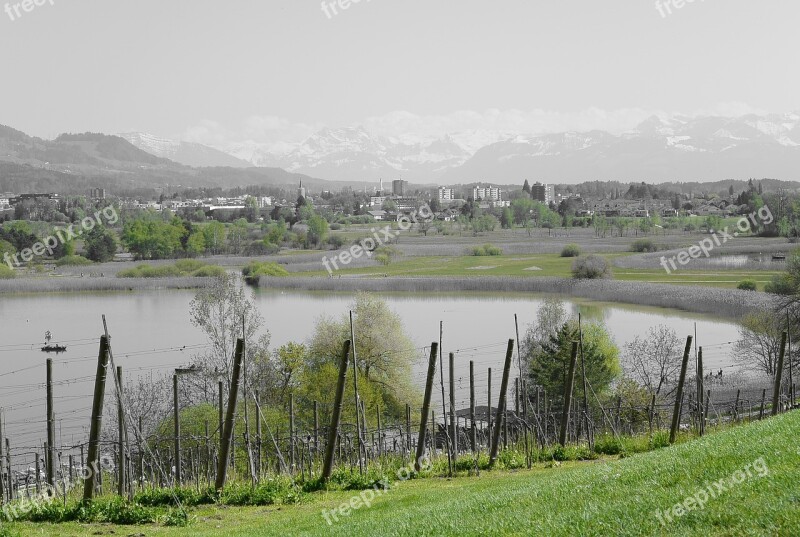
(727, 303)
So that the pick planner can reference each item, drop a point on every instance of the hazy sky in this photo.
(269, 70)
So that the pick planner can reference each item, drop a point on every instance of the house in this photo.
(379, 215)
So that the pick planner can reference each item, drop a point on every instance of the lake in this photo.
(151, 335)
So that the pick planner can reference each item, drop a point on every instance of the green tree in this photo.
(148, 238)
(317, 230)
(100, 244)
(196, 244)
(549, 366)
(385, 352)
(214, 233)
(506, 218)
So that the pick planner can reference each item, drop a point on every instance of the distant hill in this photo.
(190, 154)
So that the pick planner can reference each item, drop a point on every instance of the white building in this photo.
(488, 193)
(446, 193)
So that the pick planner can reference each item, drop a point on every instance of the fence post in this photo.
(316, 429)
(51, 429)
(568, 387)
(501, 405)
(763, 401)
(676, 415)
(453, 419)
(359, 440)
(333, 431)
(97, 420)
(700, 391)
(776, 396)
(2, 457)
(489, 402)
(472, 434)
(426, 403)
(123, 464)
(292, 461)
(177, 420)
(227, 435)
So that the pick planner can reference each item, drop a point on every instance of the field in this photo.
(605, 497)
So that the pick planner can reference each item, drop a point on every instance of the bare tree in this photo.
(760, 342)
(654, 360)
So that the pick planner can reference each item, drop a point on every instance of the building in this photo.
(301, 191)
(399, 187)
(446, 193)
(377, 201)
(97, 193)
(543, 192)
(488, 193)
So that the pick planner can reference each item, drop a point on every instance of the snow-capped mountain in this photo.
(187, 153)
(352, 153)
(676, 148)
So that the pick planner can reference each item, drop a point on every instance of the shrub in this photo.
(591, 267)
(209, 271)
(188, 265)
(485, 250)
(73, 261)
(255, 269)
(644, 245)
(781, 284)
(6, 273)
(747, 285)
(336, 241)
(571, 250)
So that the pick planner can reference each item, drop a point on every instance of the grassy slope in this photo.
(597, 498)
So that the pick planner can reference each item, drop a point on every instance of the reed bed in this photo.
(728, 303)
(65, 284)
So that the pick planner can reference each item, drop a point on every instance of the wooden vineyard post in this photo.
(97, 421)
(676, 414)
(562, 437)
(333, 430)
(426, 403)
(227, 435)
(501, 405)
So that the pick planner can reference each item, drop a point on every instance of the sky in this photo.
(274, 71)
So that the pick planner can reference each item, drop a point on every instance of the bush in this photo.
(644, 245)
(485, 250)
(781, 284)
(591, 267)
(6, 273)
(73, 261)
(255, 269)
(336, 241)
(747, 285)
(184, 267)
(571, 250)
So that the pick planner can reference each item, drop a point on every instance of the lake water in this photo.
(151, 335)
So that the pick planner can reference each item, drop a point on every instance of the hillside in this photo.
(610, 497)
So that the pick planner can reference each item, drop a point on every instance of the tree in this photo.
(224, 312)
(317, 230)
(526, 187)
(506, 218)
(385, 352)
(149, 238)
(214, 233)
(237, 235)
(550, 316)
(196, 244)
(759, 342)
(100, 244)
(654, 360)
(549, 366)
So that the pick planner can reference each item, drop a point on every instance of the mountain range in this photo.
(677, 148)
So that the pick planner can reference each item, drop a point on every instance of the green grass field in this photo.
(546, 265)
(606, 497)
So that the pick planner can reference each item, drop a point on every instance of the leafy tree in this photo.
(148, 238)
(526, 187)
(384, 351)
(196, 244)
(317, 230)
(100, 244)
(237, 234)
(506, 218)
(549, 367)
(214, 233)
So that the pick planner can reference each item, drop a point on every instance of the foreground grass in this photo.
(619, 497)
(545, 265)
